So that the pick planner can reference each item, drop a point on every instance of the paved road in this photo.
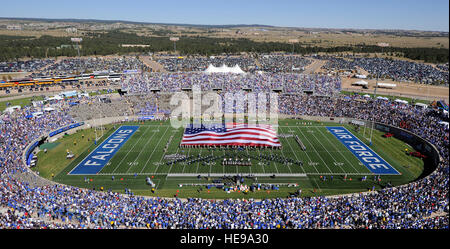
(152, 64)
(314, 67)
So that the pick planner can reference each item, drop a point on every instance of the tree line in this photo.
(14, 48)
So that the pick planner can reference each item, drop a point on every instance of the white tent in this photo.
(11, 109)
(48, 109)
(401, 101)
(212, 69)
(361, 76)
(237, 69)
(366, 96)
(37, 114)
(424, 106)
(56, 97)
(360, 83)
(383, 98)
(224, 69)
(386, 85)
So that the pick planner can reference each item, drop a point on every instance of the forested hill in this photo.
(14, 47)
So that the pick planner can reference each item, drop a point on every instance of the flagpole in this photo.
(382, 45)
(373, 112)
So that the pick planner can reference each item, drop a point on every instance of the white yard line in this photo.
(142, 149)
(178, 148)
(153, 149)
(312, 147)
(345, 158)
(274, 163)
(282, 152)
(162, 156)
(293, 151)
(334, 159)
(263, 166)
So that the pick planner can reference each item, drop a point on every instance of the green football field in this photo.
(147, 154)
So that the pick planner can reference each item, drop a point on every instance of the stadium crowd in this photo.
(283, 63)
(197, 63)
(263, 62)
(420, 204)
(265, 82)
(398, 70)
(25, 65)
(71, 66)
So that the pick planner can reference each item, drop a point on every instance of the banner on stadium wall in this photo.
(60, 130)
(357, 122)
(131, 71)
(382, 128)
(149, 117)
(406, 135)
(29, 155)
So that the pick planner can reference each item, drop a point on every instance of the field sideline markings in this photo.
(142, 149)
(162, 156)
(301, 167)
(145, 165)
(195, 174)
(189, 152)
(306, 156)
(334, 159)
(274, 163)
(278, 125)
(312, 147)
(178, 148)
(248, 154)
(282, 152)
(295, 154)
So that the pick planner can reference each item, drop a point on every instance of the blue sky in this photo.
(375, 14)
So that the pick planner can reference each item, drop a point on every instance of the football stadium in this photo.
(146, 139)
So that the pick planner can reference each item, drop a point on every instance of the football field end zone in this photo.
(99, 157)
(369, 158)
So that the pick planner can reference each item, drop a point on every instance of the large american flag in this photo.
(234, 134)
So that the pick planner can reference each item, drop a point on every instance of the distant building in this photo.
(135, 45)
(64, 46)
(71, 30)
(14, 27)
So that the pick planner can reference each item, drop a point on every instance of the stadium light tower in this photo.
(382, 45)
(174, 39)
(77, 41)
(293, 41)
